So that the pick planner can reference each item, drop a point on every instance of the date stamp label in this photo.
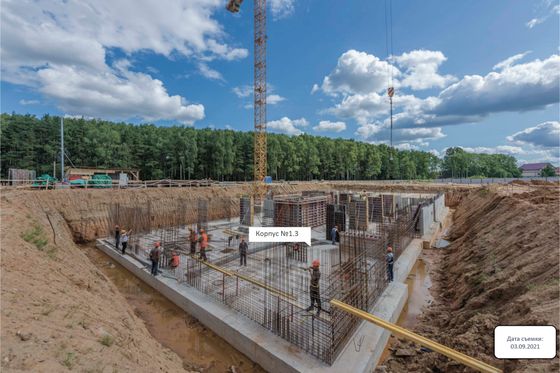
(525, 342)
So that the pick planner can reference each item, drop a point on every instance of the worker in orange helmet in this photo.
(314, 286)
(390, 261)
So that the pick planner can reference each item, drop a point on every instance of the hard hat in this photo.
(315, 263)
(389, 249)
(157, 244)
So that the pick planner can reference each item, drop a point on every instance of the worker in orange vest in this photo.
(203, 244)
(174, 260)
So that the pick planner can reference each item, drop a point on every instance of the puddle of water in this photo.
(419, 296)
(419, 284)
(199, 347)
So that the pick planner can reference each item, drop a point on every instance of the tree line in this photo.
(179, 152)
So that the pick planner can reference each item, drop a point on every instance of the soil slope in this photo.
(59, 312)
(502, 268)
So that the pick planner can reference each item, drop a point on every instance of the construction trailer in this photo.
(87, 173)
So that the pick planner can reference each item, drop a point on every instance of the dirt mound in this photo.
(88, 212)
(58, 311)
(502, 268)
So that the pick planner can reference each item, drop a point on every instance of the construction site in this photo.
(261, 308)
(409, 270)
(272, 290)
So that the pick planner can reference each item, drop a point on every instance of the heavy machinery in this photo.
(259, 93)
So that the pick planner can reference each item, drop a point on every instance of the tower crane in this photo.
(259, 93)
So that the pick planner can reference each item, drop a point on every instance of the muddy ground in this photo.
(502, 268)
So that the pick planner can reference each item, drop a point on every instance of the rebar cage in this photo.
(273, 289)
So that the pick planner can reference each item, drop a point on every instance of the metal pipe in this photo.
(406, 334)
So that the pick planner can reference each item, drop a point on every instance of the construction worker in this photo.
(175, 260)
(117, 236)
(334, 231)
(124, 240)
(154, 257)
(390, 260)
(243, 247)
(314, 286)
(203, 244)
(193, 237)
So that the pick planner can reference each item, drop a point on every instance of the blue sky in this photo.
(484, 75)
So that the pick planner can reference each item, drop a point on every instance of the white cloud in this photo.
(544, 6)
(358, 73)
(535, 21)
(243, 91)
(508, 62)
(42, 38)
(29, 102)
(281, 8)
(209, 73)
(527, 153)
(378, 132)
(326, 125)
(117, 94)
(435, 152)
(500, 149)
(529, 86)
(406, 146)
(363, 108)
(421, 68)
(288, 126)
(362, 73)
(315, 88)
(546, 134)
(274, 99)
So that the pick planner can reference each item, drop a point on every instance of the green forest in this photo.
(178, 152)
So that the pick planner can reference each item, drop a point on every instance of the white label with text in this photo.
(525, 342)
(280, 234)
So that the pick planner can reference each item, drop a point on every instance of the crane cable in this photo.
(389, 52)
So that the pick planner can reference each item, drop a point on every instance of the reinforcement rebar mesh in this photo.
(273, 289)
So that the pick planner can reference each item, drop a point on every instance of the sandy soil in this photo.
(59, 312)
(502, 268)
(198, 346)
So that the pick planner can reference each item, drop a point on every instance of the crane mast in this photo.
(260, 98)
(259, 94)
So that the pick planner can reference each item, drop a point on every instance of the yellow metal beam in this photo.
(406, 334)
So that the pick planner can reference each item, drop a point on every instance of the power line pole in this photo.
(61, 149)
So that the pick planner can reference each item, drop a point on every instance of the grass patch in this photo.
(36, 236)
(107, 340)
(69, 360)
(483, 192)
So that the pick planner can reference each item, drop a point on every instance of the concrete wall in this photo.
(439, 207)
(426, 218)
